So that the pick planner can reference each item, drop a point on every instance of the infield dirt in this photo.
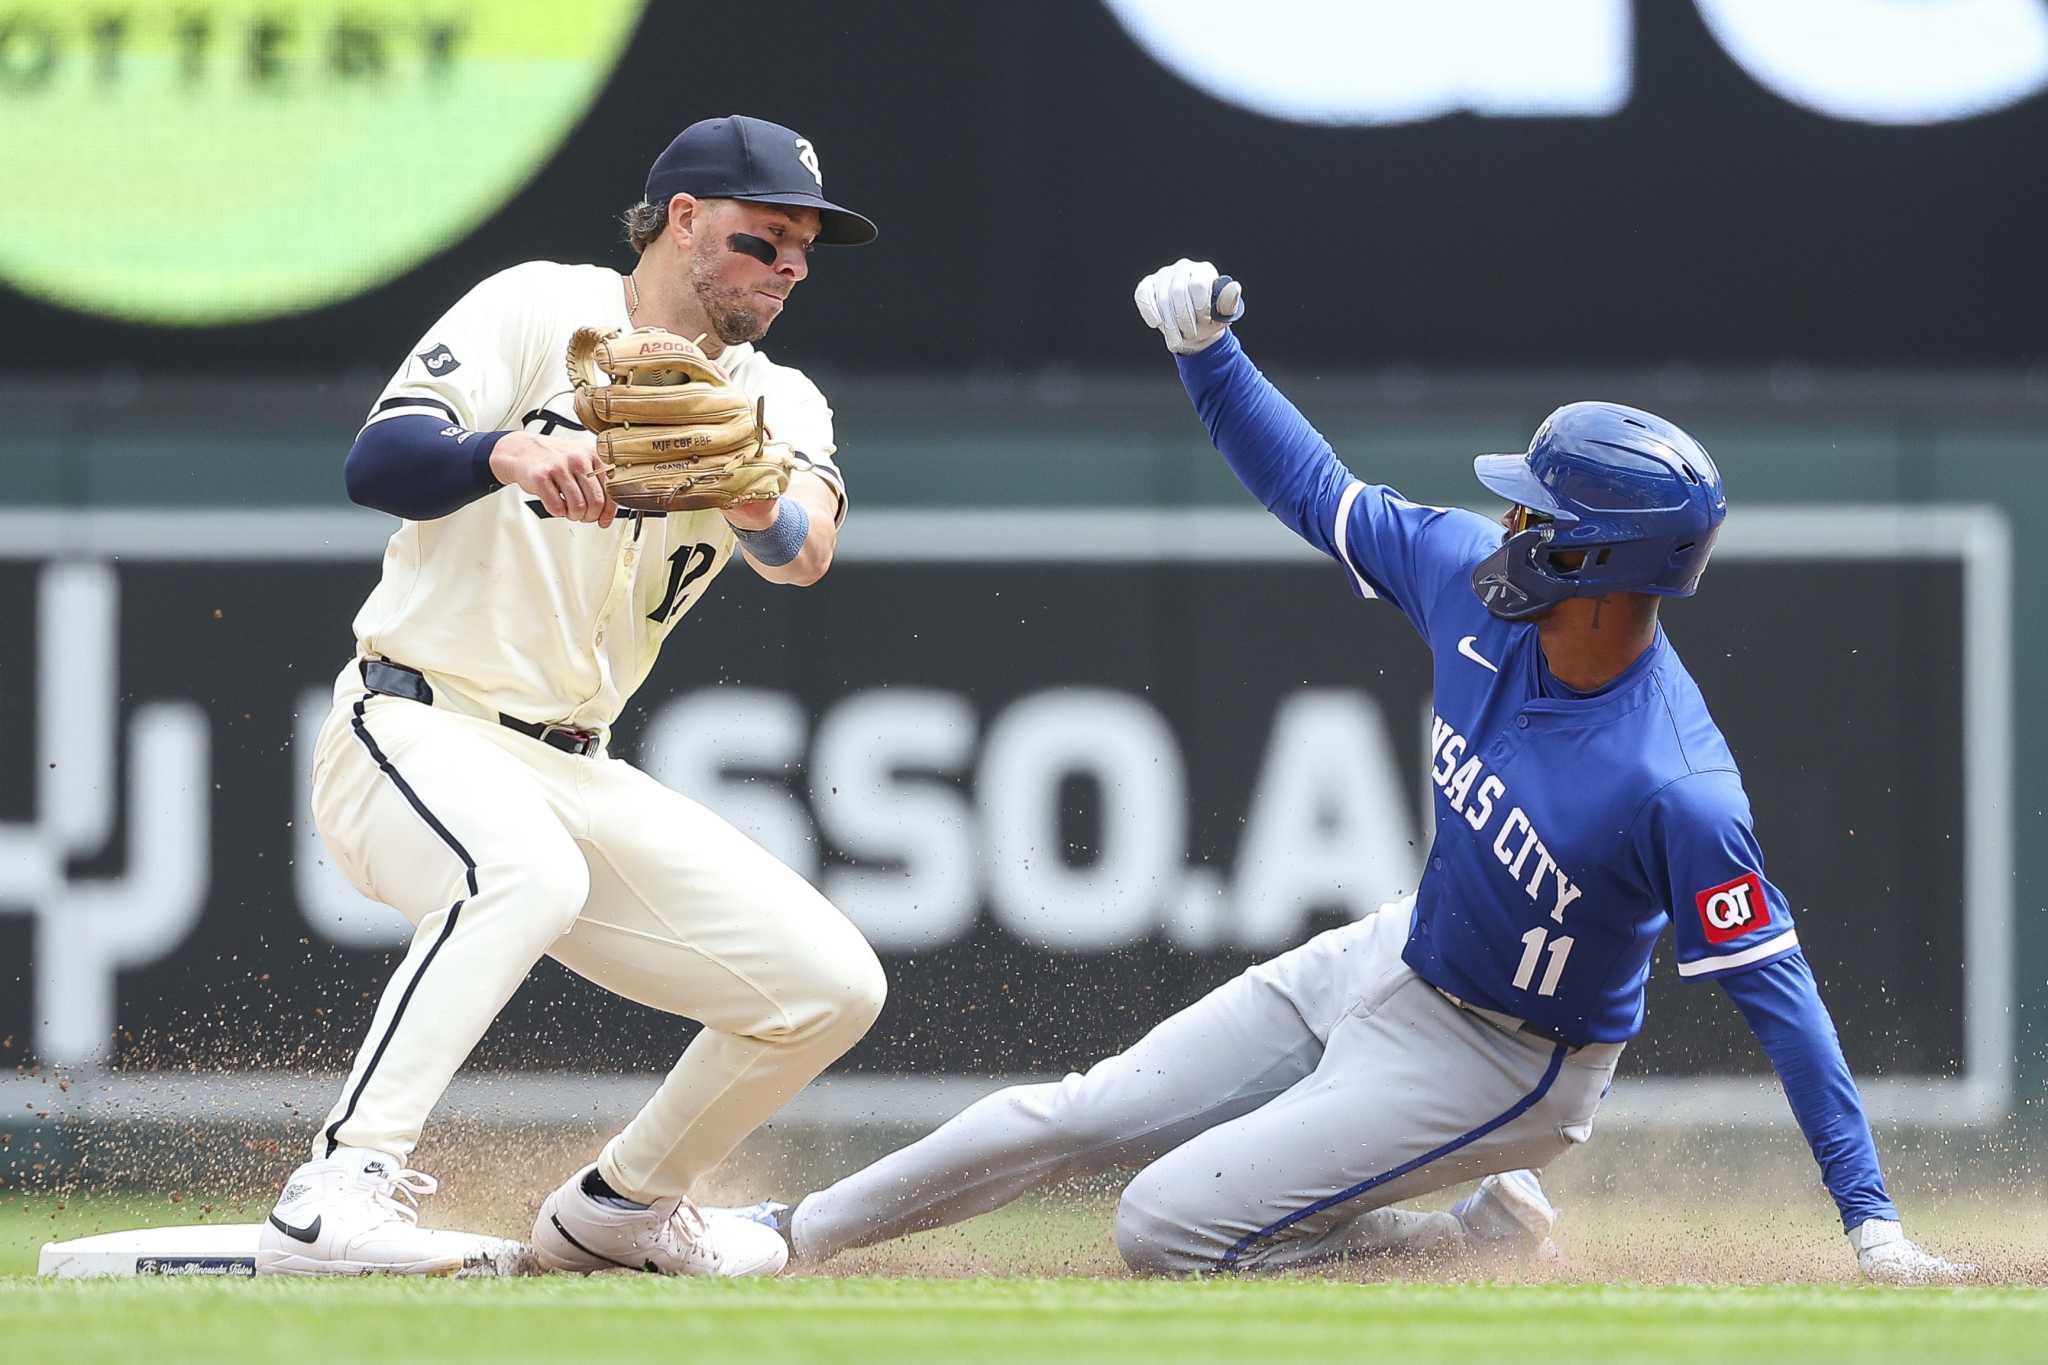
(1641, 1206)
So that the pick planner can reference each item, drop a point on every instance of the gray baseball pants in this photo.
(1276, 1119)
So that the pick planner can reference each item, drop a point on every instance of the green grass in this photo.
(1072, 1321)
(888, 1311)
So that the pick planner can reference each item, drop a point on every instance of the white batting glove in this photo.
(1190, 304)
(1887, 1257)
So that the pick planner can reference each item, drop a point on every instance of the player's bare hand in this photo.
(1887, 1256)
(756, 515)
(562, 471)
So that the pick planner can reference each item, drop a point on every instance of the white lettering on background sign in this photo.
(1394, 61)
(934, 816)
(88, 929)
(1888, 61)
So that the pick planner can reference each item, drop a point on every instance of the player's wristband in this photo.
(782, 539)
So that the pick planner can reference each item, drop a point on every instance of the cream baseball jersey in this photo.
(505, 608)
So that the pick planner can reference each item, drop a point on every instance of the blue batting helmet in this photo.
(1640, 497)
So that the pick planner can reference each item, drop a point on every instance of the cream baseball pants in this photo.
(499, 849)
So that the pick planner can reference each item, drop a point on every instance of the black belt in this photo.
(396, 680)
(1546, 1035)
(1524, 1025)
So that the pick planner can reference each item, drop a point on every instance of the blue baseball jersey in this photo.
(1570, 828)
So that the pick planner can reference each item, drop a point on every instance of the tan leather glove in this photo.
(675, 433)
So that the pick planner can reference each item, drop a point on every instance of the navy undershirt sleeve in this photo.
(412, 467)
(1784, 1010)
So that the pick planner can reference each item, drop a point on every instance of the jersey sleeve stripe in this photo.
(834, 480)
(405, 403)
(824, 469)
(549, 421)
(1342, 539)
(1770, 947)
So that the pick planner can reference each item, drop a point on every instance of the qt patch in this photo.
(1733, 909)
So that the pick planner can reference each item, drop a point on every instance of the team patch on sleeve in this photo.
(1732, 909)
(439, 361)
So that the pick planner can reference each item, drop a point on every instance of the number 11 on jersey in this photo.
(1532, 952)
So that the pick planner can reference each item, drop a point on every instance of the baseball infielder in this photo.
(1584, 799)
(463, 775)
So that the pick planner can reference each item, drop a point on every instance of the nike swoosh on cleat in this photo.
(1465, 648)
(650, 1267)
(309, 1233)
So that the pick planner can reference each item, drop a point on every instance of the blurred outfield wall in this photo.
(1059, 638)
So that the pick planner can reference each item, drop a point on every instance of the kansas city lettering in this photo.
(1473, 793)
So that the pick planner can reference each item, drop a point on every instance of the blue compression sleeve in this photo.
(1784, 1010)
(411, 468)
(781, 540)
(1280, 459)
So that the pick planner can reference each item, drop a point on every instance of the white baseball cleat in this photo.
(773, 1214)
(357, 1213)
(580, 1232)
(1508, 1212)
(1888, 1257)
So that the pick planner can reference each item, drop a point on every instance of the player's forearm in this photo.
(1276, 454)
(1783, 1007)
(821, 537)
(412, 467)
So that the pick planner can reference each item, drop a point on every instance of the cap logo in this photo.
(808, 155)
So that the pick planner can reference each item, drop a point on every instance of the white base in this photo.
(227, 1249)
(204, 1249)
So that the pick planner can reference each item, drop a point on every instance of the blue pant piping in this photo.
(1520, 1107)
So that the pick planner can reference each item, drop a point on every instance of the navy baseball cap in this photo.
(749, 158)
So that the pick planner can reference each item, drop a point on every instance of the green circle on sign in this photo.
(218, 162)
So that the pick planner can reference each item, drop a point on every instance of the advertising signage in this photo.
(1065, 779)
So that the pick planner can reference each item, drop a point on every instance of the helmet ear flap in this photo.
(1516, 582)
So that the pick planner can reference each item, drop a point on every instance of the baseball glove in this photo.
(674, 432)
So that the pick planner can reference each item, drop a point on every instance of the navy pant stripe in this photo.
(1519, 1108)
(405, 789)
(447, 928)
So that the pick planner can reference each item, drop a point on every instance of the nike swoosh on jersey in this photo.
(309, 1233)
(1465, 648)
